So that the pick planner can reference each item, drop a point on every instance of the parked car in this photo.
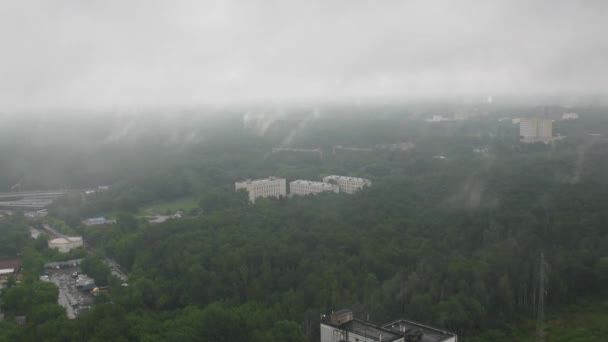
(87, 287)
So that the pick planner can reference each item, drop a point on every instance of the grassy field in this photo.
(586, 321)
(171, 206)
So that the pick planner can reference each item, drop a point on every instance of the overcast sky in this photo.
(114, 53)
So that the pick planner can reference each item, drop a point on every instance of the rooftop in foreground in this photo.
(342, 326)
(427, 334)
(370, 331)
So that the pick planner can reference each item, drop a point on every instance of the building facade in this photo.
(305, 187)
(341, 326)
(347, 185)
(269, 187)
(535, 129)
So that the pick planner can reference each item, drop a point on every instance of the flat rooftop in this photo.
(269, 179)
(319, 184)
(393, 331)
(370, 331)
(429, 334)
(31, 199)
(355, 179)
(67, 239)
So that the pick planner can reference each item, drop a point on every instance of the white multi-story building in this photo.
(270, 187)
(341, 326)
(535, 129)
(305, 187)
(347, 185)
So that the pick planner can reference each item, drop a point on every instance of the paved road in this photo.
(115, 269)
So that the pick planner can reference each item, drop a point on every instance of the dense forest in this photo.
(453, 242)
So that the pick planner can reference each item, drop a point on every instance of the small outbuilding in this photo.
(9, 267)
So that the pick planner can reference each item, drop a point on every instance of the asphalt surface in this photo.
(73, 300)
(115, 269)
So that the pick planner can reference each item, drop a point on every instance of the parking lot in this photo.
(72, 299)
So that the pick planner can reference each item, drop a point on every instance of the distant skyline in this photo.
(130, 53)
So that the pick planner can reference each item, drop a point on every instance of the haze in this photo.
(93, 54)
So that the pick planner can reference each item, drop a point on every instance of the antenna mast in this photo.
(540, 318)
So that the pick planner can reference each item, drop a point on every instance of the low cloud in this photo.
(121, 54)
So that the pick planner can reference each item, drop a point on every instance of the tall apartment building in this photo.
(341, 326)
(535, 129)
(347, 185)
(305, 187)
(269, 187)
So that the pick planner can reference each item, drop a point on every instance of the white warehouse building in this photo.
(347, 185)
(270, 187)
(305, 187)
(66, 244)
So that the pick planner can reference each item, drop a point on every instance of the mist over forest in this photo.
(449, 234)
(304, 171)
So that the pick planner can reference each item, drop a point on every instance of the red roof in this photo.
(10, 263)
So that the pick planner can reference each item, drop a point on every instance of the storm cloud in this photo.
(109, 53)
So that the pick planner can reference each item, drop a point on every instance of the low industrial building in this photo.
(306, 187)
(342, 326)
(50, 231)
(163, 218)
(97, 221)
(36, 214)
(9, 267)
(100, 188)
(66, 244)
(260, 188)
(347, 185)
(29, 200)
